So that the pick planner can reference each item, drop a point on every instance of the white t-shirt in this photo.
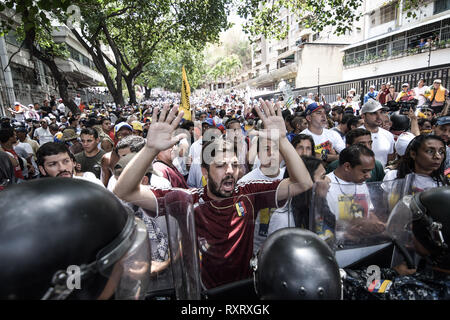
(382, 145)
(195, 172)
(327, 140)
(418, 91)
(347, 199)
(62, 108)
(155, 181)
(89, 176)
(419, 182)
(43, 135)
(265, 216)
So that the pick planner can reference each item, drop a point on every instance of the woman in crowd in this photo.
(425, 157)
(392, 95)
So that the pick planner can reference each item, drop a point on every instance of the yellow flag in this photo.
(185, 93)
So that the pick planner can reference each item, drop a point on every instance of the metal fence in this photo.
(362, 85)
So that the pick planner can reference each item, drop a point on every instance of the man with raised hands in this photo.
(225, 210)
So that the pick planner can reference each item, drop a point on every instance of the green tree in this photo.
(164, 70)
(263, 17)
(148, 26)
(31, 22)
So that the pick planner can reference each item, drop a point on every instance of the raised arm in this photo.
(299, 179)
(159, 138)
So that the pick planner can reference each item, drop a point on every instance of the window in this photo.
(387, 13)
(441, 6)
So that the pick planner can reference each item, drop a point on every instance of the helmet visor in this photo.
(130, 276)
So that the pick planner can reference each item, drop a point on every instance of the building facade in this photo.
(27, 80)
(394, 42)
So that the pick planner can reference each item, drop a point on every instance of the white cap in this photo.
(402, 142)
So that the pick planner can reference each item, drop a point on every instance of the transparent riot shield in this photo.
(353, 220)
(185, 268)
(213, 242)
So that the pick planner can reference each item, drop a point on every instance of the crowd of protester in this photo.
(381, 136)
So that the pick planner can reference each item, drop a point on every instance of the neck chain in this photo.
(339, 184)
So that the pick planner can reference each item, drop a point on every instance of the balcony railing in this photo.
(401, 45)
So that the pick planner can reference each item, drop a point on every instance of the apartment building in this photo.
(25, 79)
(393, 42)
(304, 58)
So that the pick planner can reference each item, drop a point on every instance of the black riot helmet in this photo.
(400, 122)
(431, 223)
(65, 238)
(295, 264)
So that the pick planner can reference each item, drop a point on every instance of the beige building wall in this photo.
(319, 64)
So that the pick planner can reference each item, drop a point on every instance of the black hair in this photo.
(90, 131)
(50, 149)
(187, 124)
(355, 133)
(6, 133)
(407, 163)
(72, 120)
(338, 109)
(422, 121)
(299, 137)
(353, 122)
(352, 154)
(296, 120)
(301, 202)
(286, 113)
(346, 118)
(230, 121)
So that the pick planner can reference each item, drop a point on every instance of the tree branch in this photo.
(12, 56)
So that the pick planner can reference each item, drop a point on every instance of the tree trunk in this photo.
(60, 77)
(131, 91)
(97, 57)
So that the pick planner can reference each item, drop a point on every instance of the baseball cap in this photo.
(137, 126)
(437, 81)
(121, 125)
(21, 128)
(311, 108)
(443, 121)
(371, 106)
(68, 135)
(209, 121)
(405, 85)
(402, 142)
(372, 87)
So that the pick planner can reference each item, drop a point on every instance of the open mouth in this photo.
(228, 185)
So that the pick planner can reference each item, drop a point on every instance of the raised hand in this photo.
(160, 133)
(272, 118)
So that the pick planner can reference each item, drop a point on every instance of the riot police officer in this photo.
(70, 239)
(309, 268)
(431, 238)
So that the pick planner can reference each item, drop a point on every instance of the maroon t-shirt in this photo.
(172, 174)
(225, 228)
